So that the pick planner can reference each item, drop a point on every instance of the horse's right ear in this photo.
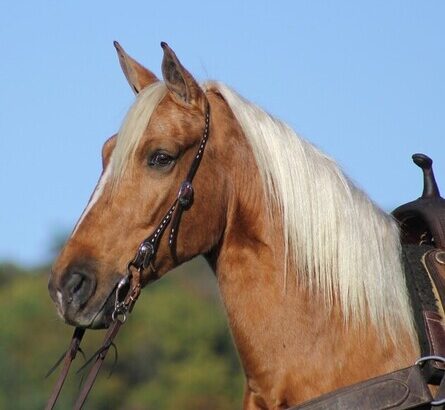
(137, 75)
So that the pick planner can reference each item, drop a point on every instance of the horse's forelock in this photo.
(134, 125)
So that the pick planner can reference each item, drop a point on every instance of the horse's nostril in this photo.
(80, 281)
(78, 288)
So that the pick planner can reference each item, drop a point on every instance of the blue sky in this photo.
(364, 81)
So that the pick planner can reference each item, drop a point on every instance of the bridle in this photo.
(129, 287)
(148, 248)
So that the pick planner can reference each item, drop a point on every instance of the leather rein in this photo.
(129, 287)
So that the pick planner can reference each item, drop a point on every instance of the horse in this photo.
(308, 267)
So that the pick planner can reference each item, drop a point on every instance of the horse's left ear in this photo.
(179, 81)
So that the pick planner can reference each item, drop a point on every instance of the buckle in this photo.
(185, 195)
(421, 362)
(143, 256)
(120, 308)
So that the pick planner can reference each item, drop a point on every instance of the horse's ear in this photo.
(137, 75)
(178, 80)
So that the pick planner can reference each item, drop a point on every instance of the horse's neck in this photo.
(292, 347)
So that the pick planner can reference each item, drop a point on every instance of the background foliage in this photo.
(175, 350)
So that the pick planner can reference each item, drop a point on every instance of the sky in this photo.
(364, 81)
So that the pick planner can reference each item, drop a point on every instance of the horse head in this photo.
(143, 166)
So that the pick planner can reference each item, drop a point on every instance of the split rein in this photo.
(129, 287)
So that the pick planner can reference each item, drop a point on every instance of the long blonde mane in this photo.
(345, 246)
(342, 244)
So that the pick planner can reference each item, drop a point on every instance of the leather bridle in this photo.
(129, 287)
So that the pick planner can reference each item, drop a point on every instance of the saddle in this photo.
(422, 227)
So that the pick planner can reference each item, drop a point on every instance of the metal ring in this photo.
(440, 257)
(437, 402)
(113, 316)
(421, 362)
(119, 315)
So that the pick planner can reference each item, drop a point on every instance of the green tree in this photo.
(175, 350)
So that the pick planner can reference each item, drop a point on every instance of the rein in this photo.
(129, 287)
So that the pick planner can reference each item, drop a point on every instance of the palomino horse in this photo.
(307, 265)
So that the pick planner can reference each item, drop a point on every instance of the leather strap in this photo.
(434, 262)
(399, 390)
(69, 357)
(100, 357)
(149, 246)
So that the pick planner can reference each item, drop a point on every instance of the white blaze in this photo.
(96, 195)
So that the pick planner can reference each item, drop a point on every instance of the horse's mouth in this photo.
(103, 318)
(99, 318)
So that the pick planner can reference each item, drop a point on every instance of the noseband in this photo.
(129, 287)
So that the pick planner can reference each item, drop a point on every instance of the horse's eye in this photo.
(160, 159)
